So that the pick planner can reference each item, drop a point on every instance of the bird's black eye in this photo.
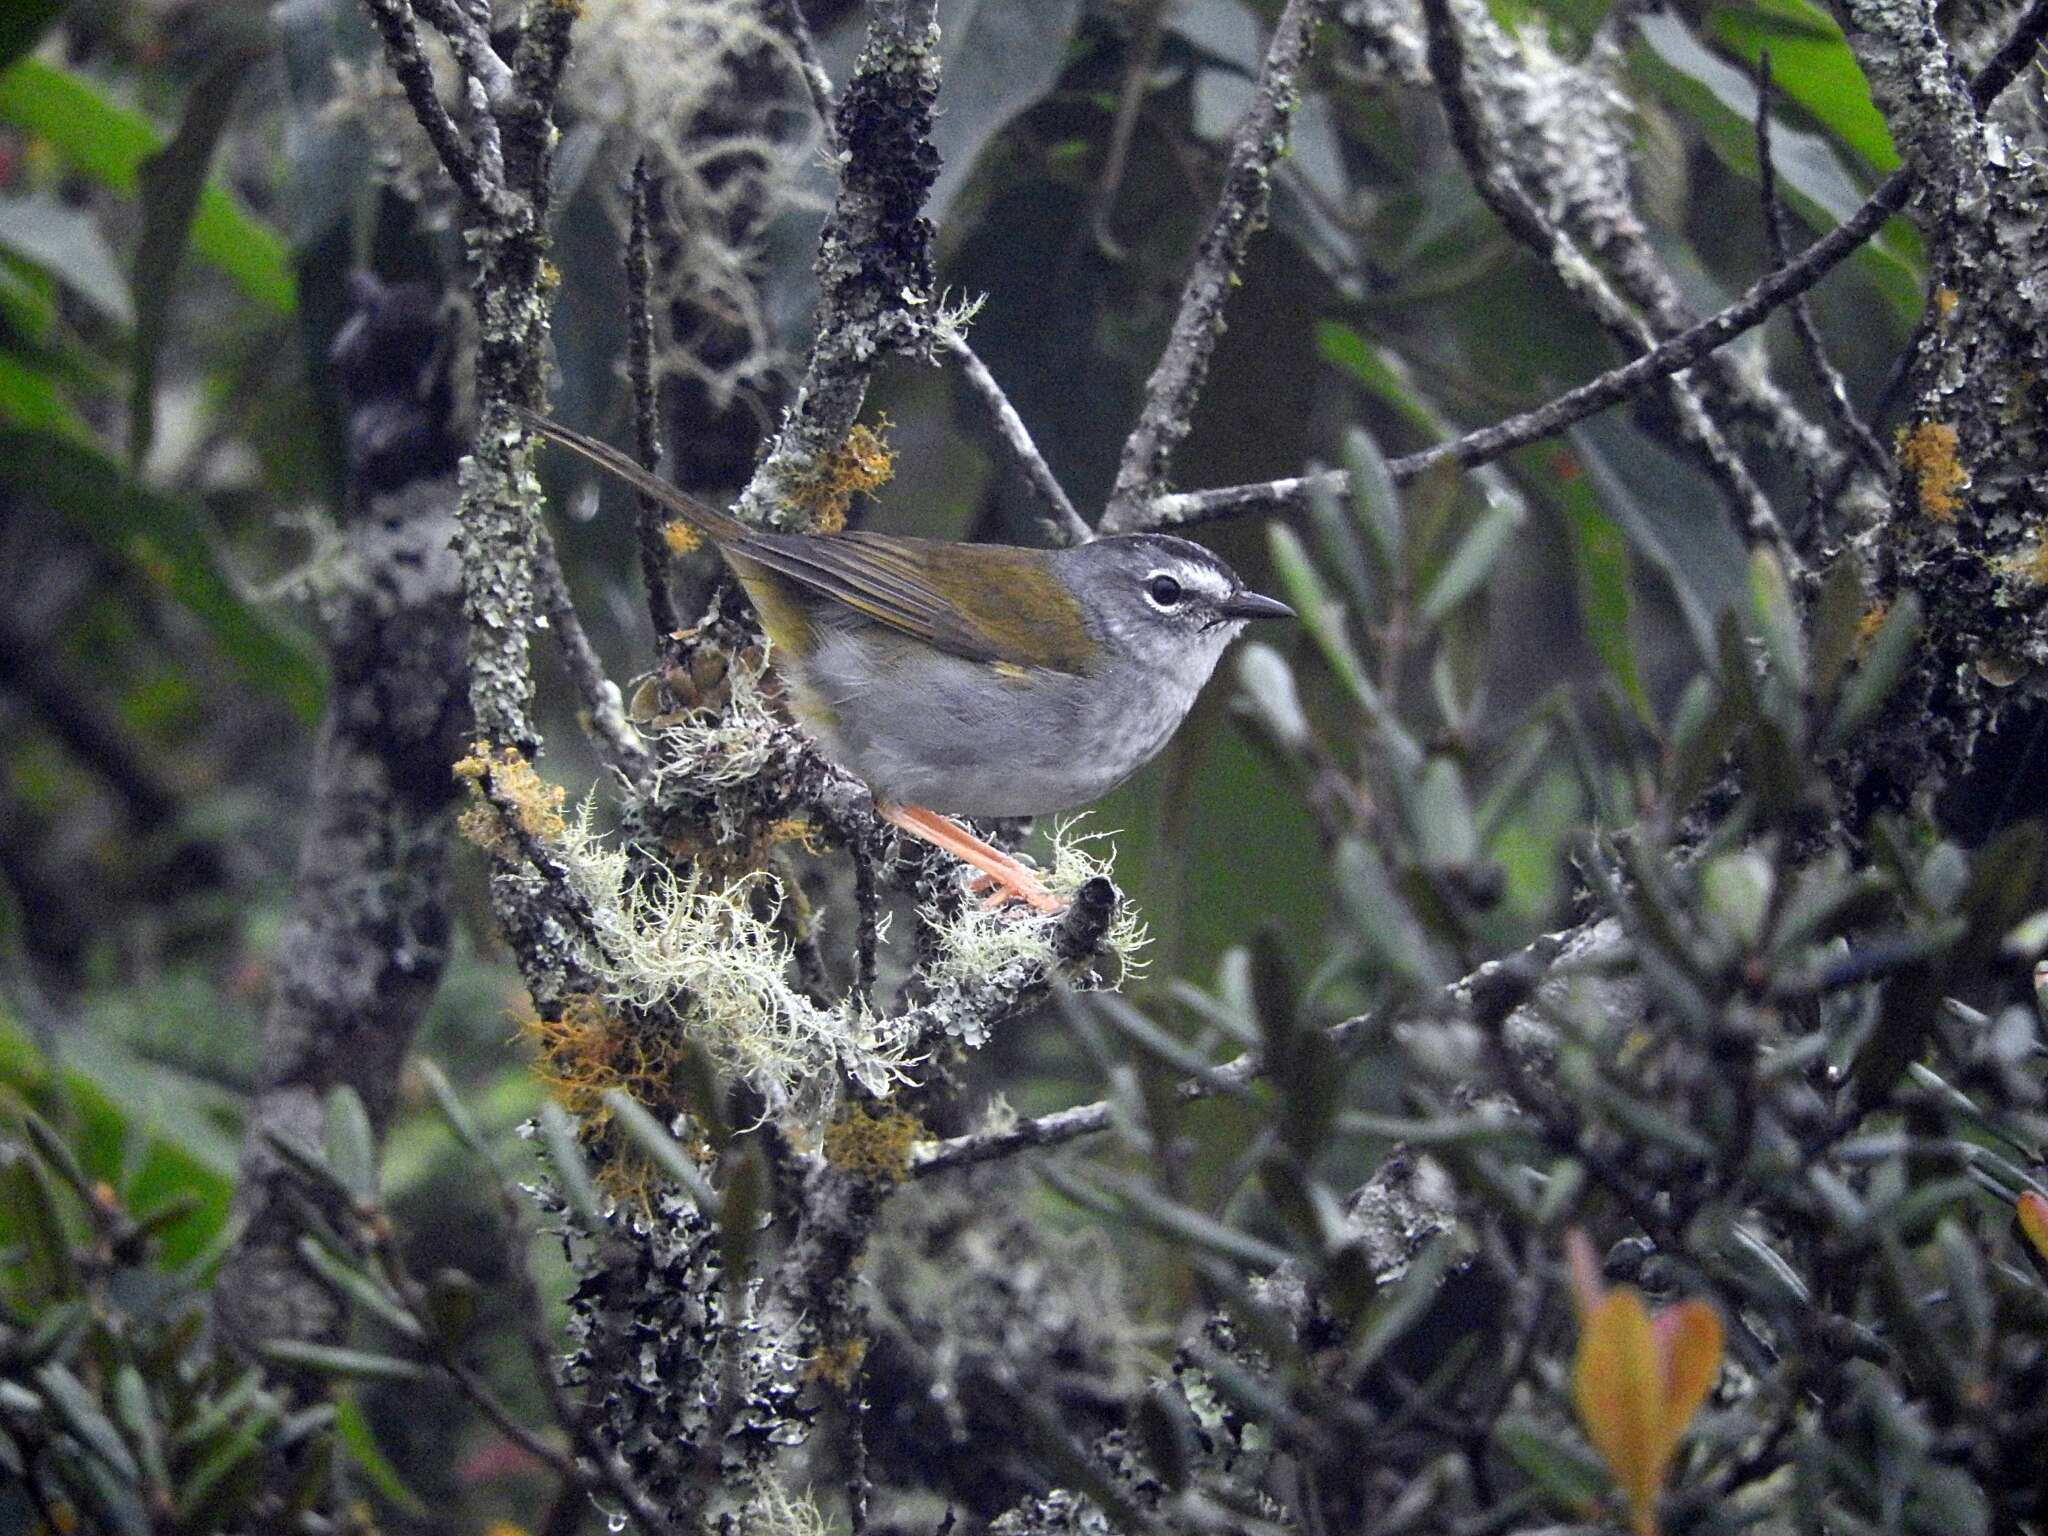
(1162, 589)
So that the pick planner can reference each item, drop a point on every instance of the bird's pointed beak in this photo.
(1250, 605)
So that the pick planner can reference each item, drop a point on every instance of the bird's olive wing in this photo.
(986, 602)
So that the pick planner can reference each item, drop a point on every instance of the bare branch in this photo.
(1485, 444)
(394, 19)
(603, 709)
(654, 555)
(1176, 383)
(789, 15)
(1073, 528)
(1137, 81)
(1502, 191)
(1834, 390)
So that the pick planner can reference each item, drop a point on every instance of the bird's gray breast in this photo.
(924, 727)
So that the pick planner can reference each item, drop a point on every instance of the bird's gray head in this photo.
(1165, 602)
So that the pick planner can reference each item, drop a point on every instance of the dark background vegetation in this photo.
(1795, 1071)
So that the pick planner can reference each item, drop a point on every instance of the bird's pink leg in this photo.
(1006, 879)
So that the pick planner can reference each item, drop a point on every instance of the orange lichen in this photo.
(506, 787)
(1929, 454)
(800, 830)
(1868, 626)
(680, 537)
(863, 463)
(586, 1050)
(873, 1147)
(1945, 301)
(835, 1364)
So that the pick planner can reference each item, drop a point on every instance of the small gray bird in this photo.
(976, 679)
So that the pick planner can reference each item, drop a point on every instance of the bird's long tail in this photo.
(720, 528)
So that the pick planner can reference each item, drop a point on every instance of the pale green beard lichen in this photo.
(703, 951)
(721, 748)
(981, 947)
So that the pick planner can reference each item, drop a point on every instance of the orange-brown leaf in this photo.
(2034, 1221)
(1618, 1388)
(1689, 1338)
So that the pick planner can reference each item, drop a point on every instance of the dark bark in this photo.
(367, 937)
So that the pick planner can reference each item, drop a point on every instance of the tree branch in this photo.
(1501, 189)
(1483, 445)
(874, 256)
(1177, 381)
(654, 554)
(1072, 527)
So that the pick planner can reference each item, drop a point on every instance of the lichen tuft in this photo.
(874, 1147)
(1929, 453)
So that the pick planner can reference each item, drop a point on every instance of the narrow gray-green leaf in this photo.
(1471, 562)
(652, 1137)
(169, 183)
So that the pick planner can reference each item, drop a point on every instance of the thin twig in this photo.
(1070, 525)
(1485, 444)
(394, 19)
(605, 711)
(1502, 191)
(789, 15)
(654, 555)
(1834, 390)
(469, 38)
(1176, 383)
(1137, 81)
(1064, 1125)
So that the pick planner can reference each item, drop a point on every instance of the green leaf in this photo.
(346, 1364)
(30, 398)
(82, 1415)
(1344, 348)
(1375, 499)
(558, 1133)
(1874, 680)
(166, 538)
(1837, 614)
(351, 1144)
(109, 143)
(1471, 562)
(1777, 619)
(352, 1429)
(1721, 99)
(1565, 1470)
(1601, 568)
(453, 1110)
(1812, 63)
(354, 1285)
(1323, 618)
(171, 182)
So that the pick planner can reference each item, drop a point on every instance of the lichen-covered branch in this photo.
(874, 265)
(1966, 527)
(1176, 383)
(1501, 187)
(367, 936)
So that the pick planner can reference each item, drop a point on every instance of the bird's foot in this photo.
(1002, 879)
